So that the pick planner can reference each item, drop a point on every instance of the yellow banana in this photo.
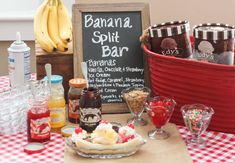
(53, 28)
(40, 27)
(63, 46)
(65, 23)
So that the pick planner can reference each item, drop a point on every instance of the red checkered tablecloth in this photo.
(4, 83)
(11, 147)
(220, 146)
(12, 151)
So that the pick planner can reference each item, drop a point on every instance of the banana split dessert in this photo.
(107, 139)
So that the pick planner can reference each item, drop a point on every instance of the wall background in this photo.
(195, 11)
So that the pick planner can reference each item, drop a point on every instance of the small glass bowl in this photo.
(196, 118)
(159, 110)
(135, 98)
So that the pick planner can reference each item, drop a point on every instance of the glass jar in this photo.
(90, 109)
(171, 38)
(74, 94)
(56, 102)
(38, 121)
(214, 43)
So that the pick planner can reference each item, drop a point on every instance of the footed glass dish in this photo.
(109, 153)
(135, 98)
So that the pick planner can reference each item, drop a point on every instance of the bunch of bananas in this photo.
(53, 26)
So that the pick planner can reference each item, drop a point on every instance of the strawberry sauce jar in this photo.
(38, 121)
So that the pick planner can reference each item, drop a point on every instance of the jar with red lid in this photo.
(90, 108)
(38, 121)
(171, 38)
(74, 94)
(214, 42)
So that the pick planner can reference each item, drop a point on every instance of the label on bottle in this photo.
(19, 67)
(57, 117)
(40, 128)
(74, 109)
(90, 116)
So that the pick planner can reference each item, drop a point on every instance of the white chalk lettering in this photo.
(88, 21)
(109, 90)
(107, 22)
(127, 23)
(113, 51)
(101, 38)
(95, 63)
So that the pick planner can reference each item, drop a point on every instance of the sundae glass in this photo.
(159, 110)
(135, 99)
(196, 118)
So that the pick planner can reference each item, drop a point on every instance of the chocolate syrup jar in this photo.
(214, 42)
(171, 38)
(90, 108)
(74, 94)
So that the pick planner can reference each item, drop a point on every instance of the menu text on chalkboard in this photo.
(112, 51)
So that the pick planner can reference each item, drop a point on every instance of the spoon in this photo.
(48, 72)
(84, 72)
(33, 89)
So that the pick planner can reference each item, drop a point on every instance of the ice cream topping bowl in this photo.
(159, 110)
(196, 118)
(135, 98)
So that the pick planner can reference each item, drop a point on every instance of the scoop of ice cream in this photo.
(127, 131)
(168, 43)
(206, 47)
(76, 136)
(104, 134)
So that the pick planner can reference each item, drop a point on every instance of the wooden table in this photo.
(169, 150)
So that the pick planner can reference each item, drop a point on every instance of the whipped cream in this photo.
(76, 137)
(104, 134)
(104, 126)
(127, 131)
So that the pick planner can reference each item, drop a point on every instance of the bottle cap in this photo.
(169, 29)
(18, 45)
(77, 82)
(67, 131)
(18, 38)
(214, 31)
(32, 148)
(55, 78)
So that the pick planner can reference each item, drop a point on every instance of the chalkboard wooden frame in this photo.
(78, 9)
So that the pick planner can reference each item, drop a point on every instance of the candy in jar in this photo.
(56, 102)
(38, 121)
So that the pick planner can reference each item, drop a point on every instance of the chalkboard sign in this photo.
(107, 39)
